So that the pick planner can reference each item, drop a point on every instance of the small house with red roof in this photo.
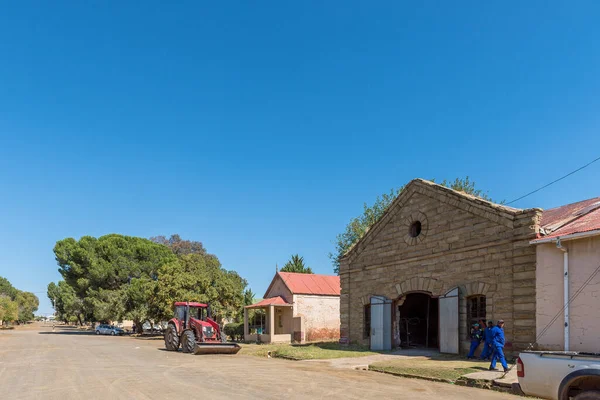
(568, 277)
(296, 308)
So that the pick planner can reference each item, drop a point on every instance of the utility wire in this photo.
(553, 182)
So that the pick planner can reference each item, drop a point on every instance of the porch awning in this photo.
(271, 301)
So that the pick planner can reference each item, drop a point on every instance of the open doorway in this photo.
(417, 321)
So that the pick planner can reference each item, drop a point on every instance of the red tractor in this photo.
(196, 331)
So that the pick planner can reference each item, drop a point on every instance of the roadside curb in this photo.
(462, 381)
(426, 378)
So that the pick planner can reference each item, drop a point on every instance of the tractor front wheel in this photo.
(188, 342)
(171, 338)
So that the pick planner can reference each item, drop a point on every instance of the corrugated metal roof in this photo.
(327, 285)
(271, 301)
(583, 216)
(554, 216)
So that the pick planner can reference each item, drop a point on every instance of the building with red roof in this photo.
(568, 277)
(296, 308)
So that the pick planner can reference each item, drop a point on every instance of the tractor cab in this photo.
(185, 312)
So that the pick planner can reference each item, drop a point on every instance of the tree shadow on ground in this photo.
(149, 337)
(68, 332)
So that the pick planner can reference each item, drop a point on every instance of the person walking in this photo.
(498, 347)
(487, 341)
(475, 340)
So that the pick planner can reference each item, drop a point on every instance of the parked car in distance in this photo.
(559, 375)
(108, 330)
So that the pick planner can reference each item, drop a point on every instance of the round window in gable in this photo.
(415, 229)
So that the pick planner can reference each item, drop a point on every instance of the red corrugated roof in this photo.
(554, 215)
(583, 216)
(271, 301)
(328, 285)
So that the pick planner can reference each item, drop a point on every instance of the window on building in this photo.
(475, 310)
(367, 322)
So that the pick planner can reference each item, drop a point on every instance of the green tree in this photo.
(197, 277)
(358, 226)
(68, 306)
(249, 297)
(25, 303)
(112, 275)
(28, 304)
(9, 309)
(7, 289)
(296, 264)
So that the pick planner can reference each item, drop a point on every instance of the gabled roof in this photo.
(498, 213)
(580, 217)
(271, 301)
(297, 283)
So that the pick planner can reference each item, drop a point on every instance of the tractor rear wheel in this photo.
(188, 342)
(171, 338)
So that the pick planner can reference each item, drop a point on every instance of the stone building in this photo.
(435, 263)
(296, 308)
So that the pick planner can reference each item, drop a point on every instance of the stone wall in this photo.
(466, 242)
(320, 314)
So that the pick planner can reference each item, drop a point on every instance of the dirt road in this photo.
(40, 364)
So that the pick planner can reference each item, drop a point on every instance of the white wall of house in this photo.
(584, 311)
(320, 314)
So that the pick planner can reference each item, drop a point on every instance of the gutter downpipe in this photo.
(565, 289)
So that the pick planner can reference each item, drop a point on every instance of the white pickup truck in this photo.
(559, 375)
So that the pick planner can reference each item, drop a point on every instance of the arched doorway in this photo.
(417, 321)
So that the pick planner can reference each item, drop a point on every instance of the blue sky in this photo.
(261, 128)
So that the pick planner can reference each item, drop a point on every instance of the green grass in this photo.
(313, 351)
(444, 367)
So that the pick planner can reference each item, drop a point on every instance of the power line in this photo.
(553, 182)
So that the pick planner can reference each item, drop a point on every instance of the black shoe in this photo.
(506, 370)
(493, 369)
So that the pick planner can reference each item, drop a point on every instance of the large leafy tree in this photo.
(7, 289)
(28, 304)
(66, 303)
(296, 264)
(112, 274)
(9, 309)
(358, 226)
(16, 305)
(198, 277)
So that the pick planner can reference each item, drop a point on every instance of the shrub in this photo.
(235, 330)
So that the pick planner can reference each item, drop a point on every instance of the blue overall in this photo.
(487, 343)
(498, 346)
(475, 340)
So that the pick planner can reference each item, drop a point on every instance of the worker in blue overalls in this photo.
(475, 340)
(498, 346)
(487, 351)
